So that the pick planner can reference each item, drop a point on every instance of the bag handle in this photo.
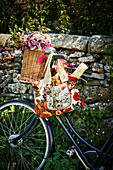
(61, 71)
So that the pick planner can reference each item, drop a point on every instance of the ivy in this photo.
(73, 17)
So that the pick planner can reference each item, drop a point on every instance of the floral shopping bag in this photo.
(58, 97)
(55, 95)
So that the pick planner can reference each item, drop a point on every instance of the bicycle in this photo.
(28, 141)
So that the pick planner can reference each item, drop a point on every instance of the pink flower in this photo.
(30, 35)
(63, 88)
(72, 65)
(48, 45)
(42, 58)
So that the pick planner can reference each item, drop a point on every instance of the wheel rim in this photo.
(30, 152)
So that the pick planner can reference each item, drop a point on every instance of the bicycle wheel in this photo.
(33, 148)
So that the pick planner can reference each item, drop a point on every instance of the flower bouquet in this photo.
(34, 58)
(34, 41)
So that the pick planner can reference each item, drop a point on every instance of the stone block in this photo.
(96, 83)
(6, 80)
(73, 42)
(107, 68)
(97, 67)
(77, 54)
(86, 59)
(16, 78)
(98, 43)
(18, 88)
(95, 75)
(4, 38)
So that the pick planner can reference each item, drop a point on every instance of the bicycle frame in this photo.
(101, 154)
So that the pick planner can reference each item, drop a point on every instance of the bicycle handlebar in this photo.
(62, 56)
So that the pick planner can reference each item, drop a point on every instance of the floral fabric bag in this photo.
(55, 95)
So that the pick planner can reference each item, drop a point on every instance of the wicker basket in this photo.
(31, 71)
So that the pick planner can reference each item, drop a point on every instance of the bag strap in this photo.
(61, 71)
(47, 76)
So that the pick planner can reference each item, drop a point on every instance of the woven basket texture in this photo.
(31, 70)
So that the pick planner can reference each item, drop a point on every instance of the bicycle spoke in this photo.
(32, 149)
(2, 128)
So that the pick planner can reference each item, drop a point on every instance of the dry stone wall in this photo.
(90, 50)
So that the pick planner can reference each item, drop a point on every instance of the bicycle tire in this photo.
(34, 148)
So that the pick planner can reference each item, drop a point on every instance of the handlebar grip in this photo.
(58, 56)
(88, 72)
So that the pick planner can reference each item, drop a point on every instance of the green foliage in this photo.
(74, 17)
(89, 123)
(109, 49)
(110, 60)
(10, 15)
(2, 100)
(60, 160)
